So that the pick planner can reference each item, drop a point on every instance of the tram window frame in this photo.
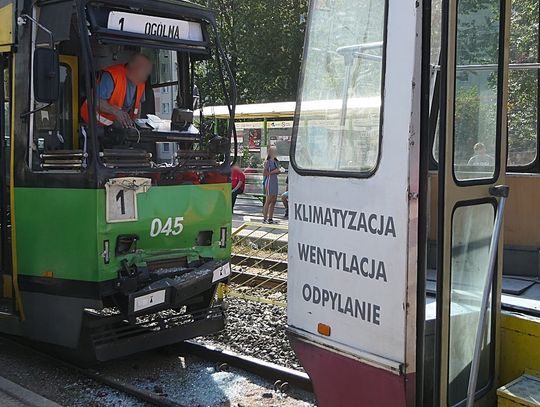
(434, 120)
(533, 166)
(296, 120)
(493, 320)
(499, 119)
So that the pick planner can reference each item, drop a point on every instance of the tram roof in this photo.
(285, 109)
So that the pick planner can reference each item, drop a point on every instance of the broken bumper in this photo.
(174, 292)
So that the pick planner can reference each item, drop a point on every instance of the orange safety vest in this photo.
(118, 74)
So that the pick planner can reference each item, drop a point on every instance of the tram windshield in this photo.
(340, 103)
(155, 128)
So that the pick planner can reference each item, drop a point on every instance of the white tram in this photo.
(396, 236)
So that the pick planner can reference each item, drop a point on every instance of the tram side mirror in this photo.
(46, 75)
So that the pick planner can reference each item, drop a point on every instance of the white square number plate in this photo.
(149, 300)
(221, 272)
(121, 204)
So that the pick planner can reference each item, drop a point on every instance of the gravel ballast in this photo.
(257, 330)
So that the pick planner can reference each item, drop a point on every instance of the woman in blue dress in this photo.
(270, 172)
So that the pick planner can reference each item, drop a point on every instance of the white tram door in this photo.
(472, 160)
(353, 196)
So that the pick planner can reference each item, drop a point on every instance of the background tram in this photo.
(448, 136)
(110, 238)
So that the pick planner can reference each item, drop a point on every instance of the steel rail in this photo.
(142, 395)
(261, 368)
(243, 260)
(258, 280)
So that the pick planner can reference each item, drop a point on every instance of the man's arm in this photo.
(121, 116)
(238, 186)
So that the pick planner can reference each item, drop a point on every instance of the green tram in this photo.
(113, 239)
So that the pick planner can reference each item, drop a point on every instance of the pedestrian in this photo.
(285, 198)
(238, 183)
(271, 169)
(481, 158)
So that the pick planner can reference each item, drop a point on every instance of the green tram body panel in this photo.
(61, 232)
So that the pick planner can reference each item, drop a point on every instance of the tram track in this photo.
(259, 281)
(222, 359)
(259, 367)
(242, 260)
(95, 375)
(270, 274)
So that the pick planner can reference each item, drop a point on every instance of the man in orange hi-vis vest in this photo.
(120, 92)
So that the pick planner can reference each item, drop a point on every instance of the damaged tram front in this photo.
(117, 230)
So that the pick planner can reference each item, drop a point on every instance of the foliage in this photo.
(477, 44)
(264, 42)
(245, 159)
(523, 85)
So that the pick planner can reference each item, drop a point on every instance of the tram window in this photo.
(340, 107)
(53, 124)
(434, 60)
(477, 90)
(522, 117)
(523, 84)
(164, 73)
(472, 227)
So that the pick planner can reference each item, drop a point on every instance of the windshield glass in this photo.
(340, 107)
(145, 102)
(128, 90)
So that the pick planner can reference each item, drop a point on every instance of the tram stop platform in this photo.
(13, 395)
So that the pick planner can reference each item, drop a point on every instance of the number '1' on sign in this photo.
(121, 198)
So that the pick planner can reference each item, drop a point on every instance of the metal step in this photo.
(112, 337)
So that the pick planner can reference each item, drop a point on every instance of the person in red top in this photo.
(238, 180)
(120, 91)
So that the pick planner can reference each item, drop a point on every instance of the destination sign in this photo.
(155, 26)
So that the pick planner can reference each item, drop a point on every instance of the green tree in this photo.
(477, 44)
(523, 85)
(264, 42)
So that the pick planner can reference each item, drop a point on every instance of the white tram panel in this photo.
(380, 199)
